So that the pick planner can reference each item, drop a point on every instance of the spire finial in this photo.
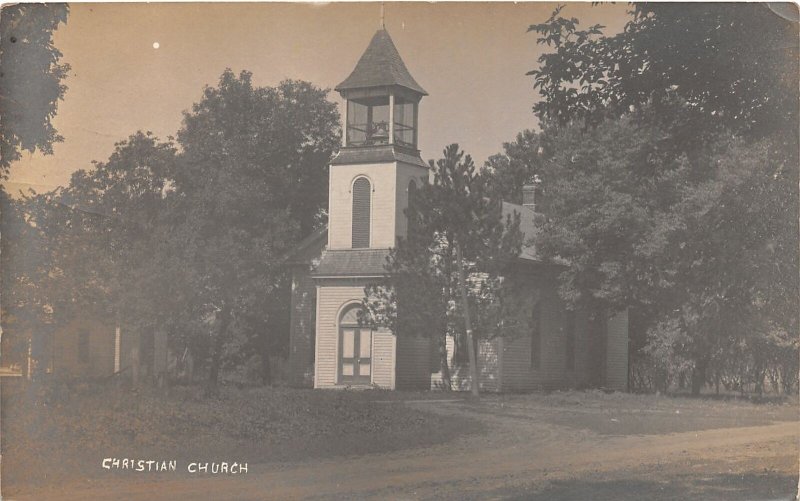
(383, 15)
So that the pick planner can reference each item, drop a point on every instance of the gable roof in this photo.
(380, 65)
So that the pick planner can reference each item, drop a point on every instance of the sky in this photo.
(139, 66)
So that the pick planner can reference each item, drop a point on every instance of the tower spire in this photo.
(383, 15)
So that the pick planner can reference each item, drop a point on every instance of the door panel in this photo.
(348, 343)
(366, 344)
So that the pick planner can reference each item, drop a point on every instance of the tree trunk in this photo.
(698, 377)
(462, 285)
(759, 381)
(445, 367)
(219, 342)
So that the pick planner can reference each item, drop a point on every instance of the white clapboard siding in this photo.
(383, 354)
(488, 368)
(382, 205)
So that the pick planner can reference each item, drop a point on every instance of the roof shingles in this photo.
(380, 65)
(352, 263)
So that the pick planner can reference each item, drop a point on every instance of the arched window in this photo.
(361, 213)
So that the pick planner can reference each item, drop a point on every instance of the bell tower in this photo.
(379, 160)
(377, 168)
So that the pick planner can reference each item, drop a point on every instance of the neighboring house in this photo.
(91, 348)
(83, 347)
(369, 186)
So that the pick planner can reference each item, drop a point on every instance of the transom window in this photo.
(361, 213)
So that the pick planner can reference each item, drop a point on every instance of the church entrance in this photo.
(355, 349)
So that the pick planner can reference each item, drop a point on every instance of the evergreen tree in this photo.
(446, 277)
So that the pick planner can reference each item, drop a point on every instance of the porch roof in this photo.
(352, 263)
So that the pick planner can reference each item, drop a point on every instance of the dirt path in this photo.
(521, 453)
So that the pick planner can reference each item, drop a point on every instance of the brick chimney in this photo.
(529, 196)
(531, 191)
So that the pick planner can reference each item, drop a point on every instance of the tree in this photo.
(446, 276)
(668, 158)
(519, 164)
(187, 245)
(739, 277)
(143, 280)
(31, 79)
(689, 64)
(101, 242)
(30, 87)
(709, 262)
(23, 261)
(250, 182)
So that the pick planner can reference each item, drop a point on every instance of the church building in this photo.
(377, 167)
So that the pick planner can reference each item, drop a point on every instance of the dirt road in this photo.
(526, 456)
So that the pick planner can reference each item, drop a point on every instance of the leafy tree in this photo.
(739, 277)
(249, 183)
(22, 259)
(101, 241)
(446, 276)
(187, 244)
(669, 164)
(520, 163)
(688, 63)
(31, 79)
(708, 261)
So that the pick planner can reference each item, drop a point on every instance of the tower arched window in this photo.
(361, 212)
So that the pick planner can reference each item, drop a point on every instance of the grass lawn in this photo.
(54, 432)
(307, 443)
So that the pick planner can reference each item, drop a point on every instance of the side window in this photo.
(361, 213)
(536, 336)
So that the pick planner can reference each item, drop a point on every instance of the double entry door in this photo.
(355, 354)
